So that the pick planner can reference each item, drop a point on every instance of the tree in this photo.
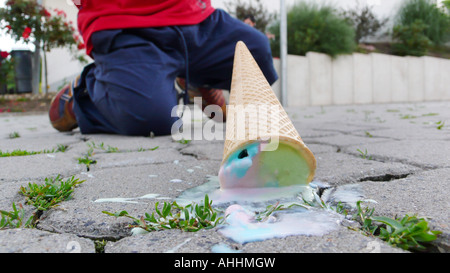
(241, 9)
(30, 22)
(365, 22)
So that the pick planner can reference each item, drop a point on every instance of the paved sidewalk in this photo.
(406, 170)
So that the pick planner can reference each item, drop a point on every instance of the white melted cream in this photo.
(242, 227)
(223, 248)
(131, 200)
(242, 205)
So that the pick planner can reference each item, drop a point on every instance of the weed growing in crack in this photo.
(408, 232)
(101, 146)
(440, 125)
(364, 155)
(184, 141)
(18, 152)
(430, 114)
(264, 215)
(14, 135)
(15, 218)
(192, 217)
(62, 148)
(149, 149)
(87, 160)
(408, 116)
(42, 197)
(100, 246)
(51, 193)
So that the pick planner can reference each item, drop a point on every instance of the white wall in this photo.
(316, 79)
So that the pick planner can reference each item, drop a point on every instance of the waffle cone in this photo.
(251, 91)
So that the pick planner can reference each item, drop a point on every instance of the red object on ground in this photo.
(106, 14)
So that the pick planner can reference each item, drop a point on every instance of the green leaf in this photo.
(157, 210)
(166, 209)
(388, 221)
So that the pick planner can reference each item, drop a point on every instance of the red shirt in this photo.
(96, 15)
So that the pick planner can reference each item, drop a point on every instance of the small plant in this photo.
(109, 149)
(62, 148)
(364, 155)
(14, 135)
(18, 152)
(264, 215)
(392, 110)
(430, 114)
(192, 217)
(185, 141)
(408, 116)
(100, 246)
(440, 125)
(49, 194)
(87, 160)
(407, 233)
(14, 218)
(149, 149)
(364, 216)
(368, 134)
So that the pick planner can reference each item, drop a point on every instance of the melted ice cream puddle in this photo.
(242, 227)
(223, 248)
(241, 207)
(130, 200)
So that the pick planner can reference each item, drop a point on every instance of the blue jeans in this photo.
(129, 89)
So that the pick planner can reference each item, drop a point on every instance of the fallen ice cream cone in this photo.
(262, 147)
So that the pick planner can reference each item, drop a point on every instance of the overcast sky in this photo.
(381, 8)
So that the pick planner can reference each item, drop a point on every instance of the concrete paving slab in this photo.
(340, 168)
(423, 194)
(48, 141)
(38, 166)
(211, 151)
(422, 153)
(342, 140)
(37, 241)
(132, 143)
(113, 160)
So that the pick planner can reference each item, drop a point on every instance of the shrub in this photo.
(437, 22)
(315, 28)
(412, 39)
